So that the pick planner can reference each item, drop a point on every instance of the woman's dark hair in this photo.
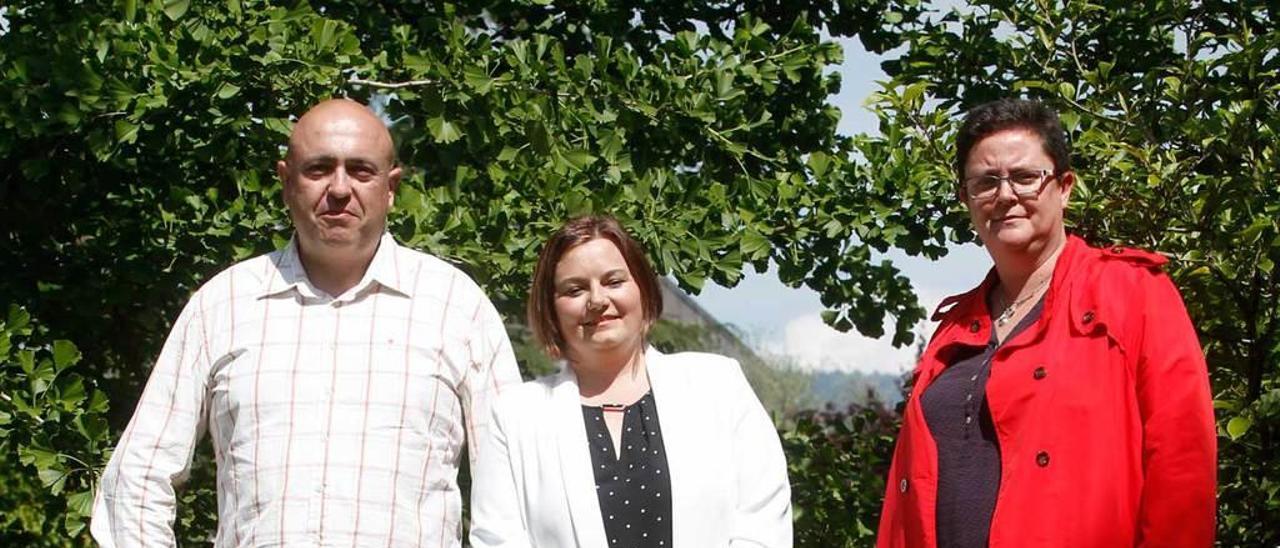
(541, 311)
(1003, 114)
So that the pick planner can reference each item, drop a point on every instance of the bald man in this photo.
(338, 377)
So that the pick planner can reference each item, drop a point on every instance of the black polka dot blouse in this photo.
(634, 489)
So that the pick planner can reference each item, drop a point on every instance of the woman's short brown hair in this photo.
(541, 309)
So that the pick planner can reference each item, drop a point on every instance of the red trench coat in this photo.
(1102, 412)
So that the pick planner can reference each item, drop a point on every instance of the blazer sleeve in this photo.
(1179, 448)
(496, 516)
(762, 515)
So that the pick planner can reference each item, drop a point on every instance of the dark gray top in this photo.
(955, 408)
(634, 490)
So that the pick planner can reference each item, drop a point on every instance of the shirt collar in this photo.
(287, 273)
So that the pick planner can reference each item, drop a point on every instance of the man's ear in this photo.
(282, 172)
(393, 183)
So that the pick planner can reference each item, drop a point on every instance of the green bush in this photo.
(53, 436)
(837, 461)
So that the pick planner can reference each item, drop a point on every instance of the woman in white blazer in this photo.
(625, 446)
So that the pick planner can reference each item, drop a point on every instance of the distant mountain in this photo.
(841, 388)
(782, 385)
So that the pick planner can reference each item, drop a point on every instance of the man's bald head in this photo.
(339, 180)
(342, 111)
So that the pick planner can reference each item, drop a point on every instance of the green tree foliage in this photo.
(137, 140)
(139, 137)
(52, 423)
(1173, 110)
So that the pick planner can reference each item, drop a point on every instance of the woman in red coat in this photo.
(1065, 400)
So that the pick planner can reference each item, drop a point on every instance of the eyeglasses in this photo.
(1025, 184)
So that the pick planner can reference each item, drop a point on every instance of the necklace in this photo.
(1009, 311)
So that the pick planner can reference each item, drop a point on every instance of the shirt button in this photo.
(902, 485)
(975, 326)
(1087, 318)
(1039, 373)
(1042, 459)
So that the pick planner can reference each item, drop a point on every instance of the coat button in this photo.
(1039, 373)
(1087, 318)
(975, 327)
(1117, 250)
(902, 485)
(1042, 458)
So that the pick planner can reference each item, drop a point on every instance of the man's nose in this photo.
(340, 185)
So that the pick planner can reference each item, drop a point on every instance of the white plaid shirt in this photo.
(335, 421)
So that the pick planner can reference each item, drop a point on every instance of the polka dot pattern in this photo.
(631, 486)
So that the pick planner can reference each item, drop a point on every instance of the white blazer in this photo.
(533, 485)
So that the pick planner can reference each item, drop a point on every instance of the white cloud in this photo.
(815, 345)
(785, 322)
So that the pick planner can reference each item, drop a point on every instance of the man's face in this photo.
(1006, 220)
(339, 178)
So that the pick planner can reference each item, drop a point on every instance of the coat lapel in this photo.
(575, 463)
(671, 396)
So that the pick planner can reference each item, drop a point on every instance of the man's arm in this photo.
(492, 367)
(1179, 447)
(135, 501)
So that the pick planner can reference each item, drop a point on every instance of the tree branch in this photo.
(392, 85)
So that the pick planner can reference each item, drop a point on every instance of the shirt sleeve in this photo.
(135, 501)
(762, 513)
(496, 519)
(492, 367)
(1179, 447)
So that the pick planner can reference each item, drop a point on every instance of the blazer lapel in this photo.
(674, 402)
(575, 463)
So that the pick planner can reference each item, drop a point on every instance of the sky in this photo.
(786, 322)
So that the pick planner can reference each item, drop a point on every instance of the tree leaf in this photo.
(279, 126)
(126, 131)
(443, 131)
(175, 9)
(579, 159)
(1238, 426)
(65, 354)
(754, 244)
(227, 90)
(130, 9)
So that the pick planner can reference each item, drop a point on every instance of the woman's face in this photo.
(597, 302)
(1007, 222)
